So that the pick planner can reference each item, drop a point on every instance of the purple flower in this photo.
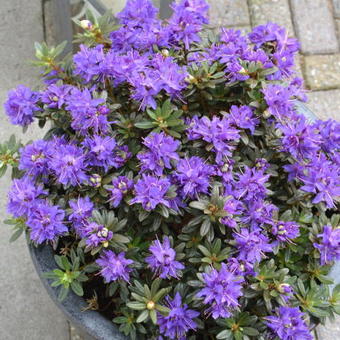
(114, 267)
(100, 151)
(151, 191)
(68, 164)
(162, 260)
(22, 196)
(222, 290)
(240, 268)
(321, 177)
(288, 324)
(46, 222)
(231, 207)
(179, 320)
(329, 246)
(55, 96)
(97, 234)
(88, 62)
(21, 105)
(278, 99)
(35, 157)
(285, 231)
(121, 185)
(121, 155)
(186, 21)
(258, 212)
(300, 139)
(250, 186)
(81, 210)
(251, 245)
(162, 149)
(193, 175)
(243, 117)
(87, 113)
(218, 131)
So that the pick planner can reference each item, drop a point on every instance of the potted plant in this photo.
(180, 189)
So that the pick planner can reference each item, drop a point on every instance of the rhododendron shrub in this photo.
(184, 192)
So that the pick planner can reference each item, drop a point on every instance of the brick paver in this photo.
(229, 13)
(322, 71)
(315, 26)
(325, 104)
(276, 11)
(336, 4)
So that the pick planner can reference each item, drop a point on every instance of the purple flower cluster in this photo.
(121, 186)
(162, 260)
(222, 290)
(151, 191)
(193, 176)
(21, 105)
(329, 246)
(219, 132)
(179, 320)
(161, 150)
(288, 324)
(114, 267)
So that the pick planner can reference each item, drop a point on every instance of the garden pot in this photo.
(92, 323)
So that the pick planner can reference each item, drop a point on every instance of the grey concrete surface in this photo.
(26, 312)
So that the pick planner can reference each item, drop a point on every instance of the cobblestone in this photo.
(325, 104)
(322, 71)
(277, 11)
(336, 4)
(330, 330)
(315, 27)
(229, 12)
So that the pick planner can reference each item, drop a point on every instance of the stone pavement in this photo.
(26, 313)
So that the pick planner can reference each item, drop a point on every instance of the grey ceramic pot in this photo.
(92, 323)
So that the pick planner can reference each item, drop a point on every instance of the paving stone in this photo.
(277, 11)
(229, 12)
(336, 4)
(322, 71)
(330, 331)
(315, 27)
(26, 312)
(325, 104)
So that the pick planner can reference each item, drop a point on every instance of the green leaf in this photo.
(226, 334)
(142, 316)
(63, 292)
(250, 331)
(136, 305)
(205, 227)
(153, 316)
(16, 235)
(144, 125)
(77, 288)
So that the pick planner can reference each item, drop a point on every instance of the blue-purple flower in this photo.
(193, 176)
(251, 245)
(329, 245)
(81, 210)
(222, 291)
(55, 96)
(179, 320)
(121, 186)
(68, 164)
(151, 191)
(96, 234)
(22, 196)
(114, 266)
(285, 231)
(161, 150)
(87, 113)
(21, 105)
(45, 222)
(288, 324)
(162, 260)
(35, 158)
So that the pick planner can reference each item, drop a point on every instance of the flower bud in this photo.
(86, 25)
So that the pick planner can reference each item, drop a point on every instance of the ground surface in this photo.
(26, 313)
